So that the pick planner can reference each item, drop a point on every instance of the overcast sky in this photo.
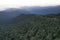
(19, 3)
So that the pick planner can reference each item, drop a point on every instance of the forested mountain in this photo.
(32, 27)
(30, 23)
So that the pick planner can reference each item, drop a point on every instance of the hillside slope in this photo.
(32, 27)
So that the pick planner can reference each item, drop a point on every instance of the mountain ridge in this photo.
(11, 13)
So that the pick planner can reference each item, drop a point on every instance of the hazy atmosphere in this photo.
(19, 3)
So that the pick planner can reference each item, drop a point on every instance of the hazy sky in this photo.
(19, 3)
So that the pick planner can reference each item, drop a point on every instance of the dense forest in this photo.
(32, 27)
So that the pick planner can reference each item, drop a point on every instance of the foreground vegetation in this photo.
(32, 27)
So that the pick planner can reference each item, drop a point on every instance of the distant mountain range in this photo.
(43, 10)
(10, 13)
